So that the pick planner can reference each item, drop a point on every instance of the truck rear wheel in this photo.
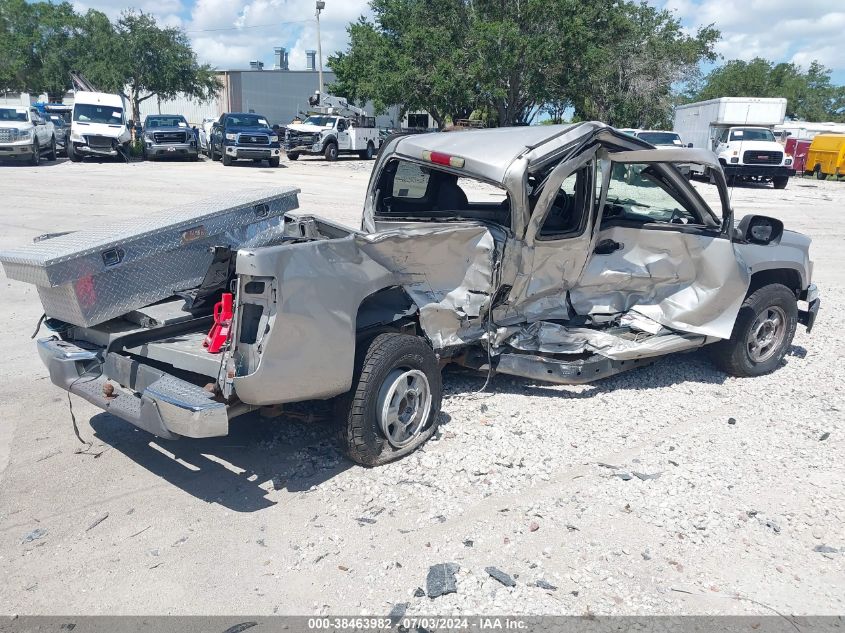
(274, 161)
(53, 154)
(820, 175)
(293, 156)
(780, 182)
(394, 405)
(368, 153)
(762, 333)
(72, 154)
(331, 152)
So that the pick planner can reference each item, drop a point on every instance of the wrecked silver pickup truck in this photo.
(557, 253)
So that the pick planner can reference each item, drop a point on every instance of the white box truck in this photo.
(739, 130)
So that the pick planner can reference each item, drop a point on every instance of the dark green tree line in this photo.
(810, 94)
(615, 60)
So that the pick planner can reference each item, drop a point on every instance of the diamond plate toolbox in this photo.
(90, 276)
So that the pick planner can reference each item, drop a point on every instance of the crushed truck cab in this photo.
(557, 253)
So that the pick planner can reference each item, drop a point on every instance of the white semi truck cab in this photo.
(739, 131)
(753, 152)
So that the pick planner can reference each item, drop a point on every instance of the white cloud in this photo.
(779, 30)
(250, 29)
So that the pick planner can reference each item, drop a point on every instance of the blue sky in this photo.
(230, 33)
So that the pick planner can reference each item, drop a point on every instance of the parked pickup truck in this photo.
(515, 251)
(169, 135)
(240, 135)
(330, 136)
(26, 135)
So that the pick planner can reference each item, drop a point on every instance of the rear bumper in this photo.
(808, 317)
(772, 171)
(160, 403)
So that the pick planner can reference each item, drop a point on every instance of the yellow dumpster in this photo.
(826, 156)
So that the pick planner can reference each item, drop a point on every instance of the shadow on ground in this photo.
(298, 450)
(236, 471)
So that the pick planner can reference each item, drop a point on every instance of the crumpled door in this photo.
(556, 245)
(655, 254)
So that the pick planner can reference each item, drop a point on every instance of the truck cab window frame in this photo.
(411, 190)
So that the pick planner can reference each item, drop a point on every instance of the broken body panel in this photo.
(584, 252)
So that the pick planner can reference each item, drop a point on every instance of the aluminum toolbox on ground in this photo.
(93, 275)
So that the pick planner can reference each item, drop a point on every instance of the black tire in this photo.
(734, 355)
(214, 154)
(53, 154)
(293, 156)
(274, 161)
(360, 432)
(820, 175)
(257, 160)
(371, 151)
(72, 154)
(780, 182)
(331, 152)
(35, 161)
(227, 160)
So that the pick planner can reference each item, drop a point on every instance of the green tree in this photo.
(810, 94)
(153, 61)
(413, 53)
(634, 56)
(41, 42)
(615, 60)
(17, 31)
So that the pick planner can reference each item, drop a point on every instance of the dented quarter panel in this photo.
(310, 350)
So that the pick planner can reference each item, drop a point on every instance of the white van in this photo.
(98, 126)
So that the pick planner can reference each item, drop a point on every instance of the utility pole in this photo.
(320, 6)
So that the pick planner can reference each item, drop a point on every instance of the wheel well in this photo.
(785, 276)
(384, 310)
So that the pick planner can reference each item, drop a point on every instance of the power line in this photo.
(252, 26)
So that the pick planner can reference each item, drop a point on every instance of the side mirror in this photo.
(759, 229)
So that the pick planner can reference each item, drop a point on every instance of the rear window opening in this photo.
(411, 191)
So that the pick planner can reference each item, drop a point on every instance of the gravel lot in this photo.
(672, 489)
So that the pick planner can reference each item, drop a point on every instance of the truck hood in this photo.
(17, 125)
(83, 128)
(305, 127)
(247, 129)
(169, 128)
(764, 146)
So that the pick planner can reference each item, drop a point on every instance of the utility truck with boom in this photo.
(333, 127)
(739, 130)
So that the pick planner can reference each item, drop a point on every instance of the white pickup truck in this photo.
(26, 135)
